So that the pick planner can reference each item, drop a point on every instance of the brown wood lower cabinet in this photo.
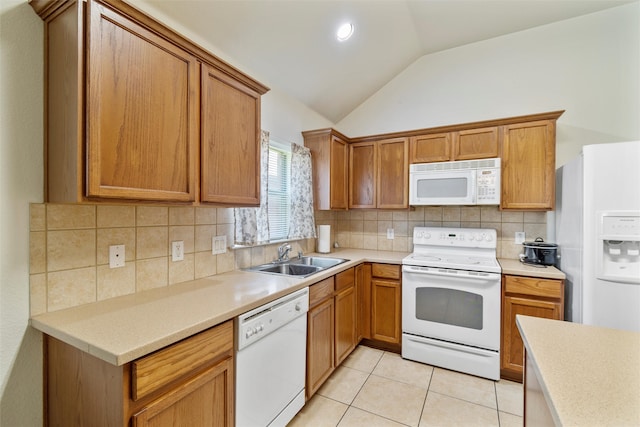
(190, 383)
(346, 310)
(528, 296)
(331, 326)
(359, 303)
(386, 303)
(320, 335)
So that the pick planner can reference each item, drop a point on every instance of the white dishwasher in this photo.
(271, 361)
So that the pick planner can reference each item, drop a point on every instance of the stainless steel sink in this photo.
(299, 267)
(318, 261)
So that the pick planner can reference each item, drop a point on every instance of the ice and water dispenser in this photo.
(618, 247)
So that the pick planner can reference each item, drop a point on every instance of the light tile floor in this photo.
(378, 388)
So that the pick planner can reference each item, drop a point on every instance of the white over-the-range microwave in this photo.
(467, 182)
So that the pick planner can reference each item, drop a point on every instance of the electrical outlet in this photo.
(520, 236)
(218, 245)
(177, 250)
(390, 234)
(116, 256)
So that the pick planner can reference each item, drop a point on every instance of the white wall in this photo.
(21, 170)
(588, 66)
(284, 117)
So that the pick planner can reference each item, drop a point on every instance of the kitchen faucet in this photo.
(283, 252)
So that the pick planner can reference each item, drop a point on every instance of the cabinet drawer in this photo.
(388, 271)
(534, 286)
(345, 279)
(320, 291)
(169, 364)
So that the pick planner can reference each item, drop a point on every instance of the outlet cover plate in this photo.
(390, 234)
(177, 250)
(520, 236)
(116, 256)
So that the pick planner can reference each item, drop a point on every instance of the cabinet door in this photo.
(363, 302)
(345, 306)
(528, 166)
(392, 183)
(205, 400)
(362, 175)
(346, 312)
(320, 345)
(475, 144)
(142, 112)
(339, 174)
(230, 140)
(385, 311)
(430, 148)
(512, 345)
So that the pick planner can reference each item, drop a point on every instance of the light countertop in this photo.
(119, 330)
(515, 267)
(590, 376)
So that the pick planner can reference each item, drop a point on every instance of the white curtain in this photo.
(302, 221)
(252, 224)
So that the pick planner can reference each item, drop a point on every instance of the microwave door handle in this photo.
(474, 185)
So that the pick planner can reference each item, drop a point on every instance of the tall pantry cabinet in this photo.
(131, 112)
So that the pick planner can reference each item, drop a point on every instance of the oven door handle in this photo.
(451, 346)
(449, 273)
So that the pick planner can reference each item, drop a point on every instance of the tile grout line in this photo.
(369, 374)
(495, 392)
(424, 404)
(360, 389)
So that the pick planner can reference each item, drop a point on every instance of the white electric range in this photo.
(451, 300)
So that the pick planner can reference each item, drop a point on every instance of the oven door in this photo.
(452, 305)
(442, 187)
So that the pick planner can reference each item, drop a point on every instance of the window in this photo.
(278, 194)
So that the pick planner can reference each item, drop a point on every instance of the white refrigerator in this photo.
(597, 225)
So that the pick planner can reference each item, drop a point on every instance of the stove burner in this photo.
(426, 258)
(463, 260)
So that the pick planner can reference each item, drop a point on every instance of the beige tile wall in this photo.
(367, 229)
(69, 244)
(69, 250)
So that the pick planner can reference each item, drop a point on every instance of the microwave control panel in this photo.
(488, 186)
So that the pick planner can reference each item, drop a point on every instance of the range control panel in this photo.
(467, 237)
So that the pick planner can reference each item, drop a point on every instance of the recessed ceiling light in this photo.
(345, 31)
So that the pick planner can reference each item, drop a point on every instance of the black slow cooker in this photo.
(539, 253)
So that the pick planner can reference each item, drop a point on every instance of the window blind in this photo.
(278, 193)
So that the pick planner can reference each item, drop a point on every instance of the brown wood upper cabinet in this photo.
(529, 165)
(460, 145)
(379, 174)
(230, 140)
(123, 104)
(329, 154)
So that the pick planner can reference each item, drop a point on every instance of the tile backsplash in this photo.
(69, 243)
(69, 250)
(367, 229)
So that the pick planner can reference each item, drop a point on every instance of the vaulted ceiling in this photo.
(291, 44)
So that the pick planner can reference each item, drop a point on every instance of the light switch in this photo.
(218, 245)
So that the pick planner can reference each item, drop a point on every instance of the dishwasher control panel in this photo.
(259, 322)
